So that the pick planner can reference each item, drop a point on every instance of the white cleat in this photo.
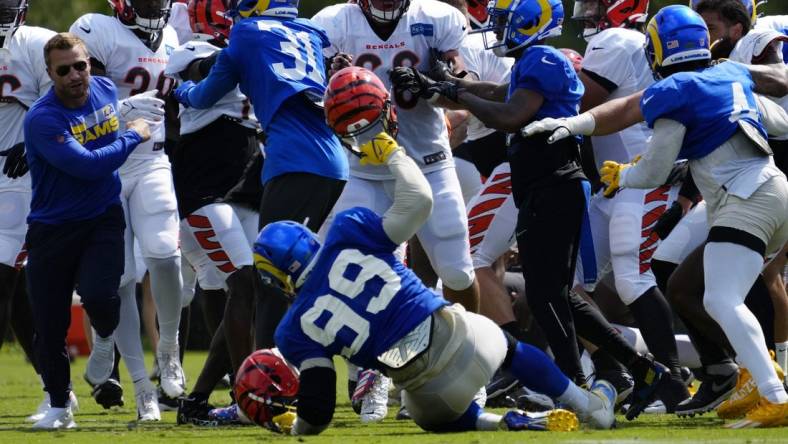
(100, 361)
(56, 418)
(480, 398)
(600, 414)
(374, 404)
(44, 406)
(147, 403)
(171, 376)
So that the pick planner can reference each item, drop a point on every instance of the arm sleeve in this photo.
(775, 118)
(412, 199)
(654, 167)
(317, 399)
(222, 79)
(72, 158)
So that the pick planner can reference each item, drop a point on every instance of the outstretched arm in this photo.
(770, 80)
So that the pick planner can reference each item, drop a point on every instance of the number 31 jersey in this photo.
(426, 24)
(358, 300)
(132, 66)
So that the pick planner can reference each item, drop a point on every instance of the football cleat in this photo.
(44, 406)
(403, 414)
(621, 380)
(601, 407)
(194, 410)
(373, 390)
(109, 394)
(171, 377)
(101, 361)
(147, 403)
(531, 401)
(56, 418)
(764, 414)
(480, 398)
(502, 383)
(645, 390)
(711, 393)
(166, 404)
(558, 420)
(230, 415)
(745, 397)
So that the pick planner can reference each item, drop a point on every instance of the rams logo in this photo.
(92, 127)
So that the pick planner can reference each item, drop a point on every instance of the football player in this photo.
(24, 79)
(357, 300)
(132, 48)
(727, 131)
(275, 59)
(216, 237)
(614, 66)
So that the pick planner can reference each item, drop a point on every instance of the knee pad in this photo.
(456, 279)
(161, 244)
(171, 264)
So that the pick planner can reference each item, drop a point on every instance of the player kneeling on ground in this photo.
(357, 300)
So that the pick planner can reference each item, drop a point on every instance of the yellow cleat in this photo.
(746, 395)
(558, 420)
(765, 414)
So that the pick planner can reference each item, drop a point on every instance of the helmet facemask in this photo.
(12, 16)
(390, 13)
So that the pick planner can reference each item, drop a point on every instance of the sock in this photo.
(653, 315)
(537, 372)
(166, 285)
(488, 422)
(575, 397)
(127, 333)
(729, 272)
(781, 355)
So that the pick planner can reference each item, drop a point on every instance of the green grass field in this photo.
(20, 393)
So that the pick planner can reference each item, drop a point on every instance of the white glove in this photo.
(561, 128)
(144, 105)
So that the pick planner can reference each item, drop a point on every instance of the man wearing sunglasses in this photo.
(75, 235)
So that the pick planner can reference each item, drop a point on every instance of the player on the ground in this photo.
(132, 48)
(215, 146)
(381, 35)
(615, 66)
(275, 59)
(722, 129)
(23, 79)
(357, 300)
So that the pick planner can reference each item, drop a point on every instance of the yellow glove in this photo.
(610, 175)
(284, 422)
(378, 150)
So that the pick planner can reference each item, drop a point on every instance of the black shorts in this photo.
(207, 163)
(301, 197)
(248, 191)
(485, 153)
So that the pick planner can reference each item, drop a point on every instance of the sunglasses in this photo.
(65, 69)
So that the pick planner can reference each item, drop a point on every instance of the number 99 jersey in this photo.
(425, 25)
(132, 66)
(358, 299)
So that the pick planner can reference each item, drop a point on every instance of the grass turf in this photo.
(20, 393)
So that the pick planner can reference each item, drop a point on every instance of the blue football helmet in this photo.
(751, 5)
(282, 252)
(519, 23)
(677, 34)
(271, 8)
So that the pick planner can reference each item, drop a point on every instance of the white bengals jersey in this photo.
(426, 24)
(617, 55)
(233, 104)
(133, 67)
(23, 79)
(486, 66)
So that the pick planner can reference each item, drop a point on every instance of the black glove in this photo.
(410, 79)
(668, 220)
(15, 162)
(445, 89)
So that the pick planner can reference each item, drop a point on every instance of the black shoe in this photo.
(501, 384)
(651, 376)
(622, 381)
(402, 414)
(108, 394)
(533, 402)
(166, 404)
(672, 393)
(711, 393)
(194, 410)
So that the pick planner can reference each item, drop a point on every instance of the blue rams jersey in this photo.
(358, 300)
(278, 64)
(546, 70)
(709, 103)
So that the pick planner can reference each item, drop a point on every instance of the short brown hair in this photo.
(62, 41)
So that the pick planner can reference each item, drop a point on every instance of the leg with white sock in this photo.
(730, 270)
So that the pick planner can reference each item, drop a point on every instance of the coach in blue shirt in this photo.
(75, 235)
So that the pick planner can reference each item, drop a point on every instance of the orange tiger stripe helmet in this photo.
(356, 101)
